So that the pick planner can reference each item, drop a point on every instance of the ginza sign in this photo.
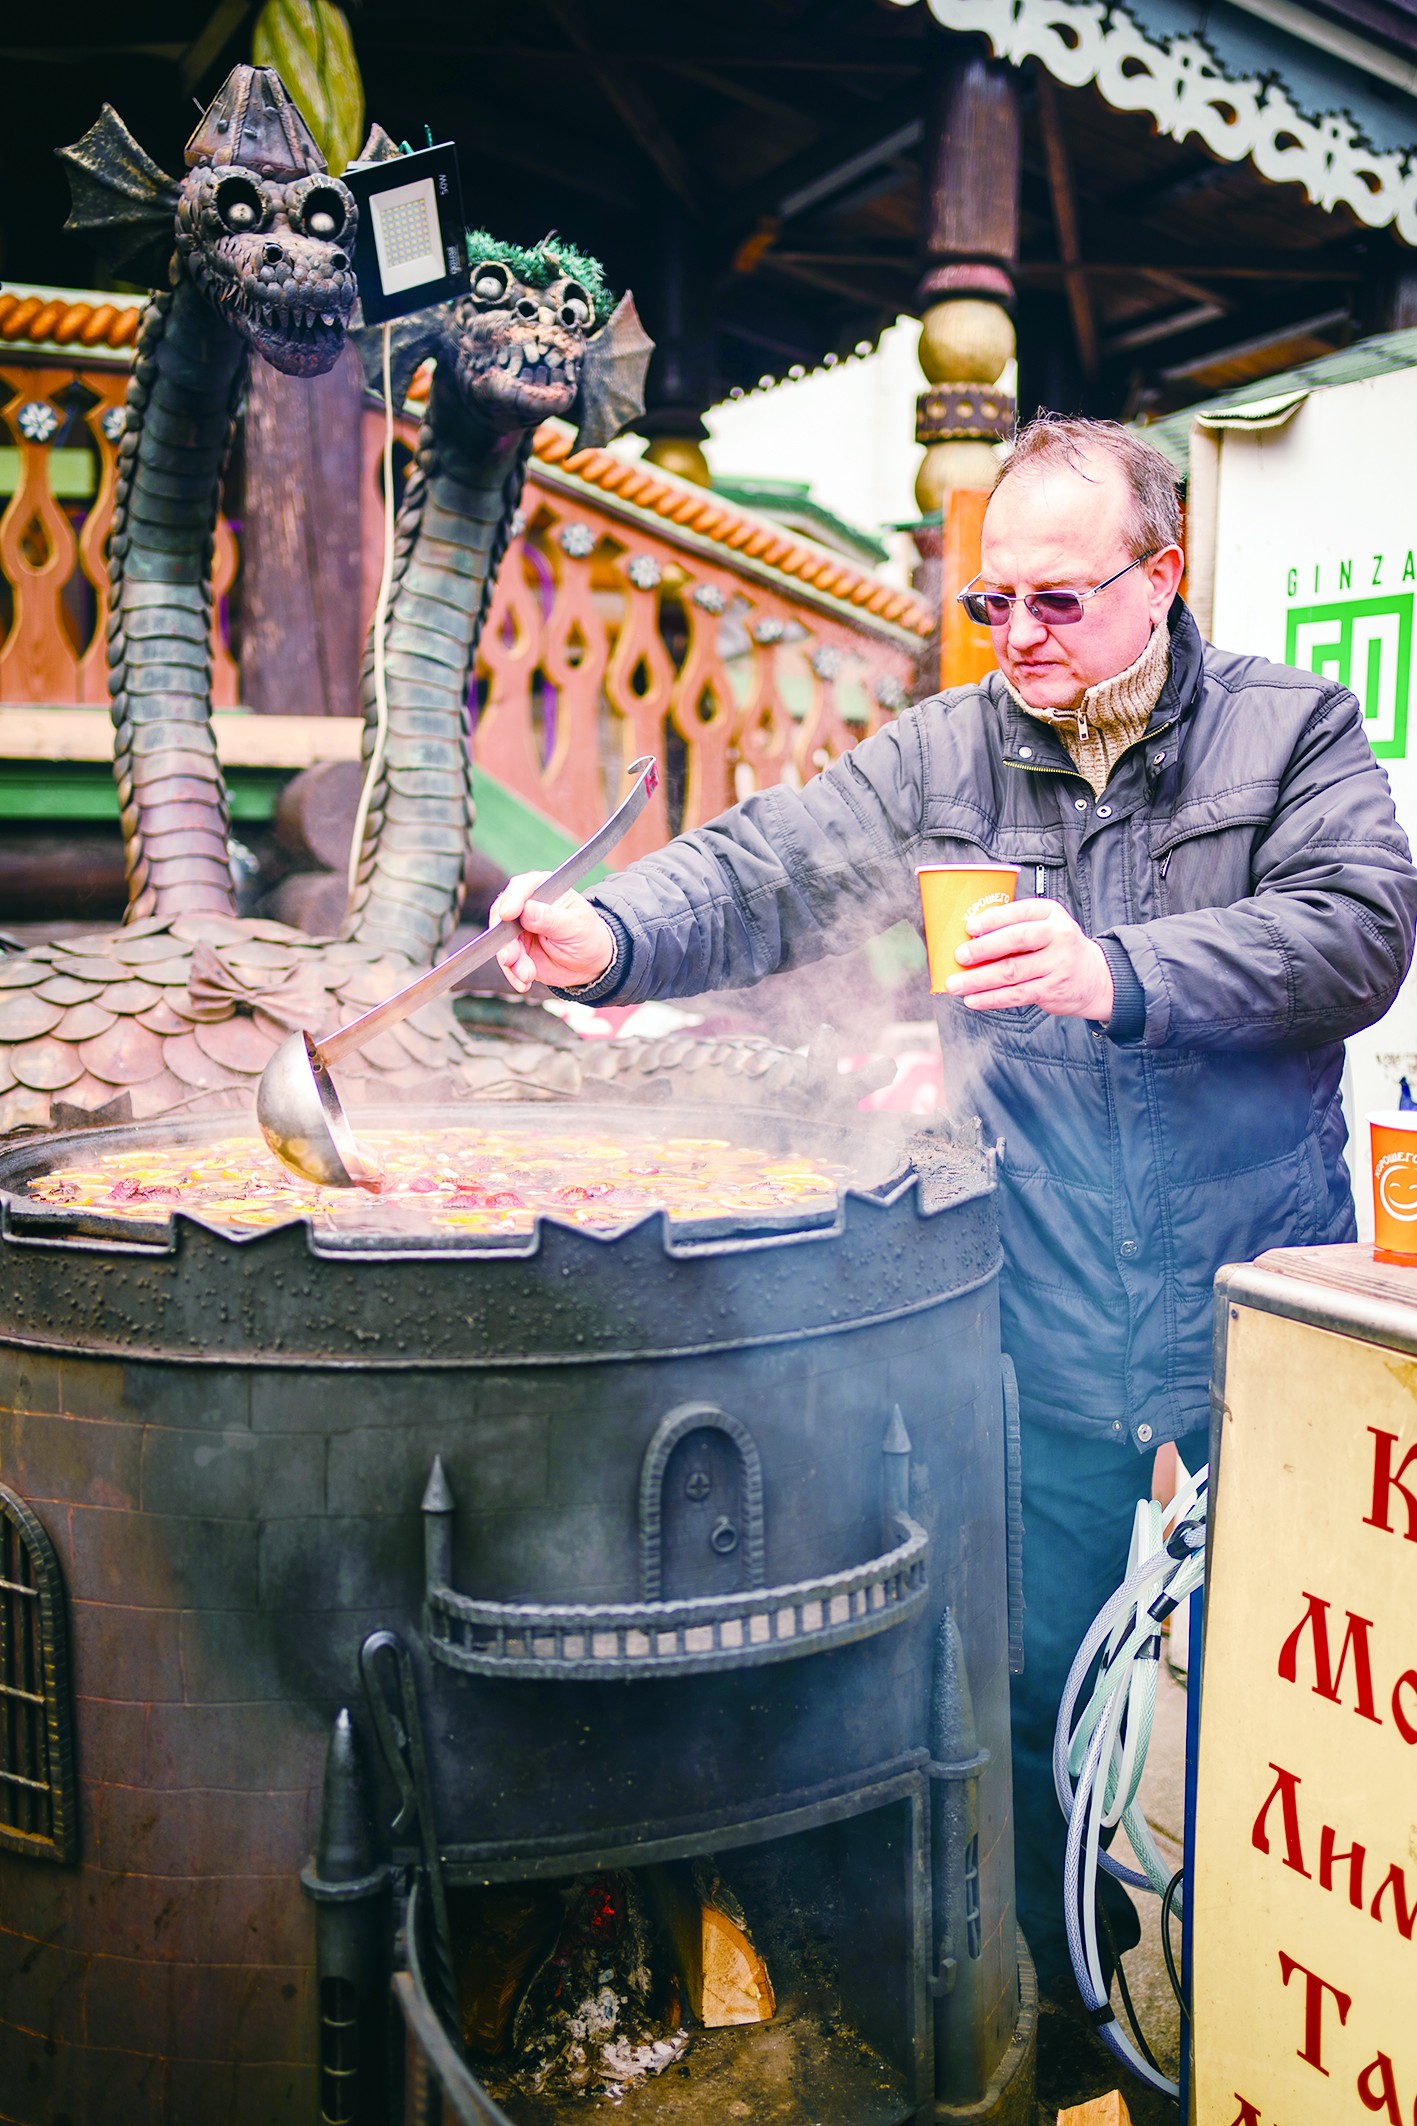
(1316, 551)
(1306, 1835)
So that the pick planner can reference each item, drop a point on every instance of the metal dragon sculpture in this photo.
(255, 242)
(537, 337)
(182, 1007)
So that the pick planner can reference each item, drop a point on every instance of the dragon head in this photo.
(262, 229)
(516, 343)
(538, 336)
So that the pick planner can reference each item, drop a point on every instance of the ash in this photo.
(601, 2014)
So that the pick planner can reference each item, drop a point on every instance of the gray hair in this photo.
(1054, 439)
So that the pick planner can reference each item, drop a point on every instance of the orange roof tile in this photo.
(729, 525)
(40, 317)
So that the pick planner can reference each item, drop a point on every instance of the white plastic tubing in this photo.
(1099, 1754)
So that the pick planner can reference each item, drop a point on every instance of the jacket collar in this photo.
(1030, 741)
(1183, 681)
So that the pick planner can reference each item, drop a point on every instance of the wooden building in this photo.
(1170, 196)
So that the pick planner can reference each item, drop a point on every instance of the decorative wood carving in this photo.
(1182, 85)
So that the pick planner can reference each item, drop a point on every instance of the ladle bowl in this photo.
(298, 1107)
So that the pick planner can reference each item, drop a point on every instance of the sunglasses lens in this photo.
(1056, 608)
(988, 608)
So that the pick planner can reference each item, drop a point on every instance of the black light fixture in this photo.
(411, 249)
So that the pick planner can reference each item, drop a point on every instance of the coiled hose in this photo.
(1099, 1755)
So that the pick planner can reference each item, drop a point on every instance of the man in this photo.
(1213, 892)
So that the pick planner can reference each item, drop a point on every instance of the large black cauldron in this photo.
(685, 1543)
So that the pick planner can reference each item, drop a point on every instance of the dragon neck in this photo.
(187, 377)
(454, 526)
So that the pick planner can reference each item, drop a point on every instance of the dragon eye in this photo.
(490, 283)
(323, 215)
(575, 306)
(240, 205)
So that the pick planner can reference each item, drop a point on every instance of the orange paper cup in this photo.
(949, 894)
(1395, 1185)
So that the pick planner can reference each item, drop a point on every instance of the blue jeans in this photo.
(1079, 1497)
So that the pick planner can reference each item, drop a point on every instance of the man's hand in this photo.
(565, 945)
(1032, 952)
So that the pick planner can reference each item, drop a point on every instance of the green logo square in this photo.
(1366, 645)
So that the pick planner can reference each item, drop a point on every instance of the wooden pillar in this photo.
(300, 549)
(969, 234)
(679, 316)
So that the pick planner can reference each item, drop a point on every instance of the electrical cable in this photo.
(1125, 1990)
(1167, 1904)
(1099, 1756)
(381, 617)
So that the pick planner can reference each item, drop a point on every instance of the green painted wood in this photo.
(510, 832)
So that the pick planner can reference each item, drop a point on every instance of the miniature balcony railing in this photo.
(633, 612)
(584, 1641)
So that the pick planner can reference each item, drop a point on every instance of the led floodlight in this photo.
(411, 249)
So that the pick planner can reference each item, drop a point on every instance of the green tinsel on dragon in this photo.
(539, 265)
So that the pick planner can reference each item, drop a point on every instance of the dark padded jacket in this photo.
(1246, 875)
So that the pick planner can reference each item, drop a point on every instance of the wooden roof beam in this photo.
(524, 149)
(211, 41)
(1149, 202)
(1065, 217)
(837, 283)
(831, 165)
(635, 109)
(733, 91)
(1214, 345)
(1201, 270)
(785, 54)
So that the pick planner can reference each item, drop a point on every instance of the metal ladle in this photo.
(297, 1106)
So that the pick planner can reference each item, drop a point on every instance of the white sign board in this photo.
(1316, 565)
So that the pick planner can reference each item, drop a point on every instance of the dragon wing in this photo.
(613, 369)
(120, 195)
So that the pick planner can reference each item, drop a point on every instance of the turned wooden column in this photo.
(300, 557)
(679, 316)
(969, 235)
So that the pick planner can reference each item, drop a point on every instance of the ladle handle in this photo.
(477, 951)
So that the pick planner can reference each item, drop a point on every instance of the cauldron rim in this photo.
(885, 1136)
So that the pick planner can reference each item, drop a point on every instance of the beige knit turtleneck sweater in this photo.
(1111, 715)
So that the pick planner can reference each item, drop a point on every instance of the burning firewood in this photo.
(597, 2015)
(725, 1980)
(503, 1932)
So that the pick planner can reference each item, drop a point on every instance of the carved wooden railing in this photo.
(633, 613)
(53, 630)
(615, 631)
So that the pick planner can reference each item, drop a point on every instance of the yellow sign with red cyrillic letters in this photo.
(1305, 1887)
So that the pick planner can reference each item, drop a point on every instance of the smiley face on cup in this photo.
(1394, 1142)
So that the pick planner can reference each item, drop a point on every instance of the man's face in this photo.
(1053, 528)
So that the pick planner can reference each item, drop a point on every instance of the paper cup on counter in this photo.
(949, 895)
(1394, 1139)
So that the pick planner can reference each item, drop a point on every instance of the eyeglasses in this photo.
(1051, 608)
